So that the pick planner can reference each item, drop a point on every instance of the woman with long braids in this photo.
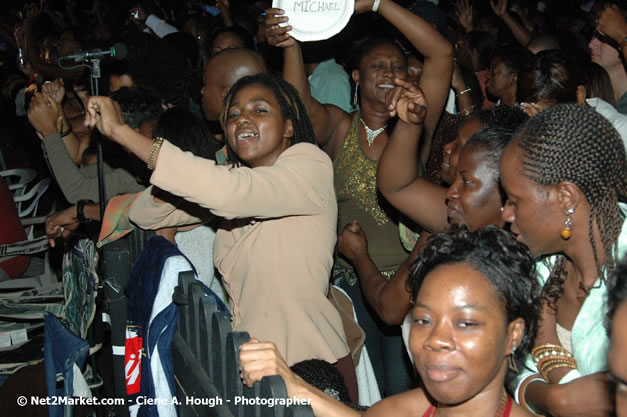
(355, 143)
(564, 174)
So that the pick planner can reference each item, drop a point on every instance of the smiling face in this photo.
(474, 199)
(453, 148)
(533, 210)
(459, 336)
(377, 71)
(255, 128)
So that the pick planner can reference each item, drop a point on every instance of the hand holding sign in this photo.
(313, 20)
(276, 34)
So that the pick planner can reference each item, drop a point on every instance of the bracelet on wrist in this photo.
(375, 5)
(80, 211)
(461, 93)
(156, 145)
(523, 391)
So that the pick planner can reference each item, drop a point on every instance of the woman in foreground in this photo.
(475, 313)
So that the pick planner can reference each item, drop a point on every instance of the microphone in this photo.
(117, 51)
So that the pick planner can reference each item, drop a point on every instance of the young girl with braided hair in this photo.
(564, 174)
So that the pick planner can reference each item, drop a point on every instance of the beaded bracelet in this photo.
(548, 357)
(375, 5)
(156, 145)
(548, 349)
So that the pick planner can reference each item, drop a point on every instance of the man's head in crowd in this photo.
(222, 71)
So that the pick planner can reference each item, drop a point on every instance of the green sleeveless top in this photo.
(358, 199)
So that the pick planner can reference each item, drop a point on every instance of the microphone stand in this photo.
(94, 72)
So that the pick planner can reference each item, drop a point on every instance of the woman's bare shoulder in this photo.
(342, 122)
(408, 404)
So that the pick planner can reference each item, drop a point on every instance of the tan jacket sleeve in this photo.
(299, 183)
(148, 214)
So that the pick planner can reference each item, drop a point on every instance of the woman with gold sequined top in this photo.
(355, 143)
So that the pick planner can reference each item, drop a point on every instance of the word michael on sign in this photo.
(316, 6)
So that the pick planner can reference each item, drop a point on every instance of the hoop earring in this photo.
(356, 96)
(566, 232)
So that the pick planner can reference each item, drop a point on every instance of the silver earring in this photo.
(356, 96)
(502, 208)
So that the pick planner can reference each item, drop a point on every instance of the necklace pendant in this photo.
(371, 135)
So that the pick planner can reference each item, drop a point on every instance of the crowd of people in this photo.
(457, 169)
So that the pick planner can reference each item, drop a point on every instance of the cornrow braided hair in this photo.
(570, 142)
(291, 105)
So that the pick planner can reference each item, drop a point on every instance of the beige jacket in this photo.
(274, 251)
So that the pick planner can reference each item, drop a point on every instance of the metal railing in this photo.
(206, 364)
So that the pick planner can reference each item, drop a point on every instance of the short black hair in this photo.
(187, 132)
(513, 56)
(504, 261)
(238, 31)
(138, 104)
(503, 116)
(484, 44)
(491, 143)
(551, 76)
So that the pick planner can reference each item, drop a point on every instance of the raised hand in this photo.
(42, 115)
(464, 14)
(612, 23)
(499, 8)
(352, 242)
(276, 34)
(31, 13)
(104, 114)
(408, 102)
(55, 90)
